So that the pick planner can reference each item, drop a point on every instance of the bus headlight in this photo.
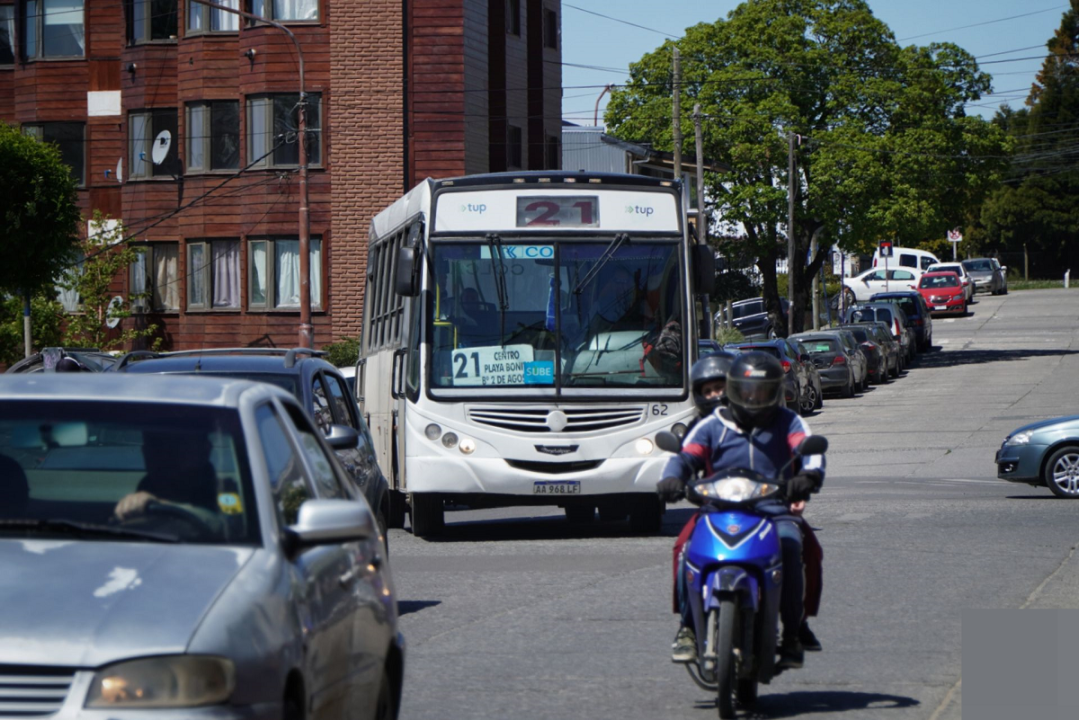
(432, 432)
(644, 446)
(467, 446)
(449, 439)
(679, 430)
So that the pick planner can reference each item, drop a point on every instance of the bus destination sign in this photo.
(558, 211)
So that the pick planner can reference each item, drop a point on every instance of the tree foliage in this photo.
(46, 325)
(40, 214)
(885, 149)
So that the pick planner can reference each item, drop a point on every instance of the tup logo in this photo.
(640, 210)
(478, 208)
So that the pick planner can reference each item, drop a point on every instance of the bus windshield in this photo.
(570, 314)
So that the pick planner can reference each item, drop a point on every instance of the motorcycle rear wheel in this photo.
(724, 646)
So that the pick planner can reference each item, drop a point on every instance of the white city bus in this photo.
(525, 337)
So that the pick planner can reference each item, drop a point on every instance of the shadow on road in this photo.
(980, 357)
(832, 701)
(404, 607)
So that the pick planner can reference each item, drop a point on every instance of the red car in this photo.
(943, 292)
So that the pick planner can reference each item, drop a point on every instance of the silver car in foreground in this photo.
(184, 548)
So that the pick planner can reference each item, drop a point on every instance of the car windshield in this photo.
(750, 308)
(285, 382)
(816, 346)
(871, 314)
(940, 281)
(859, 334)
(65, 466)
(907, 304)
(957, 269)
(613, 323)
(978, 265)
(770, 349)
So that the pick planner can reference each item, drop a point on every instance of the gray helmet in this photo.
(709, 369)
(754, 389)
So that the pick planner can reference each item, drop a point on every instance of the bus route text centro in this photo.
(525, 337)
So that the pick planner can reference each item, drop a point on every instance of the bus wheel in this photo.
(428, 518)
(580, 514)
(613, 512)
(395, 519)
(646, 514)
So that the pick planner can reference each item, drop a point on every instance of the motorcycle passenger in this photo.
(753, 430)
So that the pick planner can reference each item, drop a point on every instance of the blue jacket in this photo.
(717, 443)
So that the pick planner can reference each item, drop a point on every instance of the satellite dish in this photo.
(115, 305)
(162, 143)
(120, 170)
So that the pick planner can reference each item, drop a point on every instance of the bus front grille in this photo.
(563, 420)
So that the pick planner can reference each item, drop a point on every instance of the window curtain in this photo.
(194, 16)
(7, 35)
(258, 273)
(196, 260)
(139, 133)
(166, 274)
(138, 274)
(69, 298)
(221, 21)
(226, 273)
(316, 273)
(196, 137)
(64, 27)
(295, 9)
(287, 264)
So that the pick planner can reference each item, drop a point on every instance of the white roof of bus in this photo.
(416, 200)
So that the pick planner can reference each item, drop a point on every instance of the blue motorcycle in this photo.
(734, 578)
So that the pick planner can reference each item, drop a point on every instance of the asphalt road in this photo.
(517, 614)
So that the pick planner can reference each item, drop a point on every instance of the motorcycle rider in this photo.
(754, 430)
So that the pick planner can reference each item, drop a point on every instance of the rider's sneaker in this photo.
(684, 647)
(809, 641)
(791, 655)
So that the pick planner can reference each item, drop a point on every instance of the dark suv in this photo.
(319, 387)
(913, 304)
(753, 321)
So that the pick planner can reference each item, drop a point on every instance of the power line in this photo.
(620, 20)
(980, 24)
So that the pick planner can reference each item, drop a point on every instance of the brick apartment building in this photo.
(158, 104)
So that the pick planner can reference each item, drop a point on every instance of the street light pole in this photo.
(306, 338)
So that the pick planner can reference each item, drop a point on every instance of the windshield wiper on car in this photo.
(494, 242)
(608, 253)
(70, 527)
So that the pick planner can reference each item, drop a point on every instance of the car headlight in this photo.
(178, 681)
(735, 489)
(1019, 439)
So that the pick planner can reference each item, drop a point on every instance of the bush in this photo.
(343, 353)
(726, 336)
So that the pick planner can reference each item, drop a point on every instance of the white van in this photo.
(906, 257)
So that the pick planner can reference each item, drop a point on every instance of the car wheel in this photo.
(395, 519)
(848, 390)
(809, 401)
(820, 398)
(771, 333)
(1062, 472)
(848, 298)
(428, 514)
(384, 706)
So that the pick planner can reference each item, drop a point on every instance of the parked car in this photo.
(943, 292)
(180, 547)
(906, 257)
(915, 308)
(893, 318)
(66, 359)
(319, 387)
(752, 319)
(796, 382)
(832, 360)
(857, 357)
(877, 361)
(815, 401)
(964, 276)
(862, 287)
(988, 275)
(1043, 453)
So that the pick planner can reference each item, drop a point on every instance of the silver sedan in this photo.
(184, 548)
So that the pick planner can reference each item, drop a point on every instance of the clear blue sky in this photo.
(998, 38)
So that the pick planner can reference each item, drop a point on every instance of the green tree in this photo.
(884, 147)
(105, 256)
(46, 323)
(1036, 207)
(40, 213)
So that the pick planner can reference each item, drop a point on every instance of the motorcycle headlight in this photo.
(735, 489)
(1018, 439)
(179, 681)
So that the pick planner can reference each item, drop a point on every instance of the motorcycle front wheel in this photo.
(724, 645)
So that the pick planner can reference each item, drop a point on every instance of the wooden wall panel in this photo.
(437, 104)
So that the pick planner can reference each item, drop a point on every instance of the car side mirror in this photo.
(1004, 269)
(342, 437)
(324, 522)
(812, 445)
(666, 440)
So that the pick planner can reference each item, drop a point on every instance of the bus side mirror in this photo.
(408, 277)
(704, 269)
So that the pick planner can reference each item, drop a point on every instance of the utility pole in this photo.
(702, 219)
(676, 116)
(306, 334)
(790, 233)
(813, 245)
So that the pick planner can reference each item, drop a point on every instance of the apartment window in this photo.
(554, 152)
(7, 35)
(284, 10)
(53, 28)
(201, 19)
(550, 29)
(155, 278)
(274, 274)
(149, 20)
(513, 17)
(272, 122)
(70, 138)
(514, 140)
(213, 136)
(152, 139)
(213, 275)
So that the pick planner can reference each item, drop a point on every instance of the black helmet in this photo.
(754, 388)
(709, 369)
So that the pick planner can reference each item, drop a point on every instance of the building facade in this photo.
(179, 119)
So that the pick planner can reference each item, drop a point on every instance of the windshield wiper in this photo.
(494, 242)
(70, 527)
(608, 253)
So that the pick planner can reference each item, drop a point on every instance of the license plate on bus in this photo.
(556, 487)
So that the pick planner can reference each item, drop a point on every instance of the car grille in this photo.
(31, 691)
(545, 420)
(940, 299)
(554, 468)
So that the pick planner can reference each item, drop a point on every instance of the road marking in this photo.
(950, 320)
(853, 517)
(944, 342)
